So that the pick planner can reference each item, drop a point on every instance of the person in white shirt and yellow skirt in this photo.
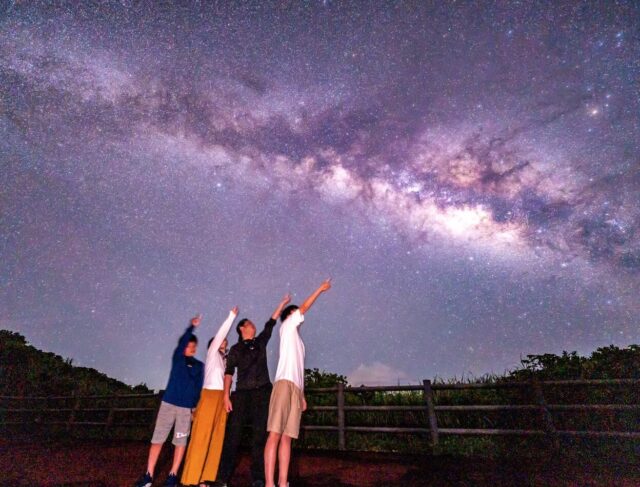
(210, 418)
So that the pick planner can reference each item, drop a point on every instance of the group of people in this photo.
(202, 393)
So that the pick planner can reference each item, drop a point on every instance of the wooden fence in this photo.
(70, 412)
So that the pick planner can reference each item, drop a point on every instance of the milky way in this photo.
(468, 175)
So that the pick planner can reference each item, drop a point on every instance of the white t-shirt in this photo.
(291, 361)
(214, 365)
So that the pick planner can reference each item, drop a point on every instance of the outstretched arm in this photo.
(265, 335)
(223, 331)
(184, 339)
(286, 300)
(325, 286)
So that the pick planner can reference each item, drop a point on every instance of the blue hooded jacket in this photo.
(186, 377)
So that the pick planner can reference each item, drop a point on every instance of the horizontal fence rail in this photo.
(73, 412)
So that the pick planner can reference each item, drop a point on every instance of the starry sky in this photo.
(468, 173)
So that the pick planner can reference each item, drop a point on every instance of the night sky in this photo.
(468, 175)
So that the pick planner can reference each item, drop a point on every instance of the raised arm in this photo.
(325, 286)
(184, 339)
(286, 300)
(222, 332)
(265, 335)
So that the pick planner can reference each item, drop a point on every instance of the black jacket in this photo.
(250, 358)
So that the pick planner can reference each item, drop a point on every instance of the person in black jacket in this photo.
(250, 401)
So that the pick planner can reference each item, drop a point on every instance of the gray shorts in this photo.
(172, 416)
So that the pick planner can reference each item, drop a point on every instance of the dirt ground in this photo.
(106, 464)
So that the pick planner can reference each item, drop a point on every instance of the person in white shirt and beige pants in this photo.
(287, 398)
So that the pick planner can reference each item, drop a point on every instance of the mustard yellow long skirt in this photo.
(207, 436)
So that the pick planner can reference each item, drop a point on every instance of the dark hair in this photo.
(211, 341)
(240, 325)
(287, 311)
(193, 339)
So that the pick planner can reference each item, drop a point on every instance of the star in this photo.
(462, 180)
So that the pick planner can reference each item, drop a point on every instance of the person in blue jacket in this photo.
(178, 402)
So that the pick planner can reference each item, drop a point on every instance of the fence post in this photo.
(547, 419)
(341, 438)
(431, 414)
(74, 411)
(107, 427)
